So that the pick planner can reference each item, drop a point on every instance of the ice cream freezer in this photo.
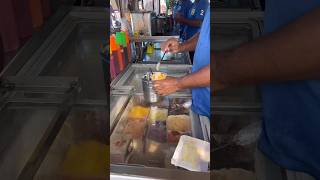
(143, 137)
(231, 29)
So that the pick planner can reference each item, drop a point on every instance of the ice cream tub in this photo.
(192, 154)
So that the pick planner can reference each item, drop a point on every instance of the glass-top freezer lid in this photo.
(80, 149)
(117, 104)
(22, 129)
(147, 135)
(132, 77)
(235, 137)
(78, 56)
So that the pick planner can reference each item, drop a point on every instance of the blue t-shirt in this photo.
(183, 8)
(291, 110)
(201, 96)
(196, 12)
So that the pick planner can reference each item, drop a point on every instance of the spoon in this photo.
(158, 64)
(151, 73)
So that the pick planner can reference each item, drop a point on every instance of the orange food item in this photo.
(138, 112)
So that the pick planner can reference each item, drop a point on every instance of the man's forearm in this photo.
(200, 78)
(292, 53)
(190, 44)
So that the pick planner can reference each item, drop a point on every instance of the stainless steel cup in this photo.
(150, 96)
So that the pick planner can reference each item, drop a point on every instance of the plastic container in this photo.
(157, 132)
(192, 154)
(157, 114)
(177, 126)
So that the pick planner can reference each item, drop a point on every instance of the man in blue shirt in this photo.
(180, 11)
(194, 18)
(286, 63)
(199, 79)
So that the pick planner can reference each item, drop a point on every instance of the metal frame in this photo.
(152, 38)
(155, 173)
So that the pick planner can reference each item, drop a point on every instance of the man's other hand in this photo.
(167, 86)
(172, 45)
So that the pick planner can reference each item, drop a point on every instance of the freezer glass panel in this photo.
(80, 149)
(79, 57)
(148, 134)
(21, 130)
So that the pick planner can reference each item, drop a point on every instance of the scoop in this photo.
(158, 64)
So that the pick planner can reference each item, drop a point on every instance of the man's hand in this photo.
(172, 45)
(201, 78)
(167, 86)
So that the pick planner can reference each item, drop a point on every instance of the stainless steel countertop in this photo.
(154, 173)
